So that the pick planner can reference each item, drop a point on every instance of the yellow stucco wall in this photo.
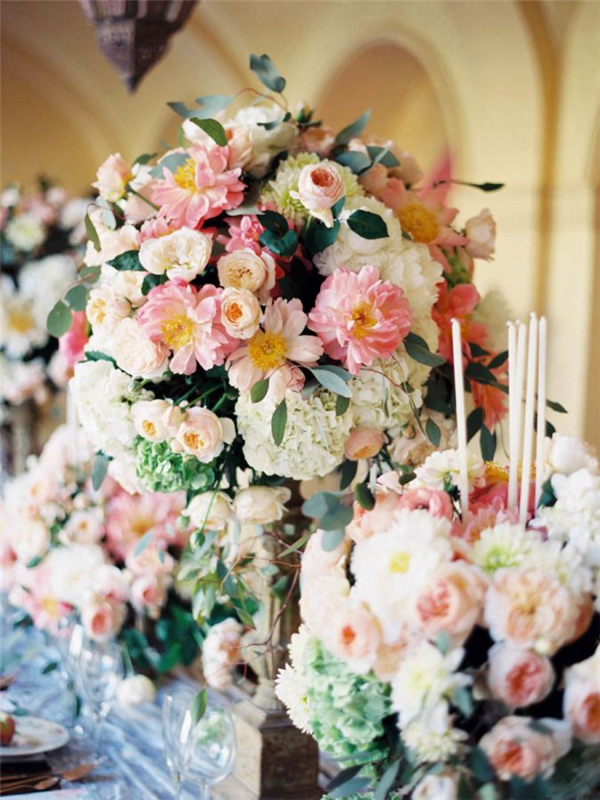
(511, 88)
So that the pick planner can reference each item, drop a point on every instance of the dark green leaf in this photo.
(99, 469)
(387, 781)
(364, 496)
(96, 355)
(556, 407)
(144, 158)
(367, 225)
(317, 236)
(523, 790)
(50, 667)
(92, 233)
(353, 130)
(344, 776)
(477, 351)
(33, 562)
(433, 432)
(498, 360)
(259, 390)
(336, 208)
(127, 261)
(465, 791)
(418, 349)
(267, 73)
(198, 707)
(76, 297)
(355, 786)
(213, 129)
(357, 162)
(341, 405)
(348, 473)
(479, 373)
(480, 764)
(278, 422)
(382, 155)
(274, 222)
(474, 422)
(337, 518)
(59, 319)
(539, 727)
(488, 791)
(488, 444)
(151, 282)
(330, 381)
(284, 246)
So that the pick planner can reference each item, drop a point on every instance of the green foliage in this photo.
(353, 130)
(92, 233)
(341, 405)
(331, 539)
(162, 470)
(368, 225)
(348, 473)
(278, 422)
(213, 129)
(333, 378)
(433, 432)
(317, 236)
(487, 443)
(76, 297)
(332, 510)
(364, 496)
(418, 349)
(59, 319)
(474, 422)
(259, 390)
(152, 281)
(267, 73)
(129, 260)
(172, 162)
(99, 469)
(198, 708)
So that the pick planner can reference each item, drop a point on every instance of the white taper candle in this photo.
(529, 414)
(541, 412)
(461, 420)
(519, 381)
(513, 404)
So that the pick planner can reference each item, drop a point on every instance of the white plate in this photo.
(34, 735)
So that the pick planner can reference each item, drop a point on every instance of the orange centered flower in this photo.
(419, 221)
(185, 176)
(177, 331)
(192, 440)
(348, 635)
(322, 177)
(362, 319)
(20, 319)
(149, 428)
(234, 312)
(267, 350)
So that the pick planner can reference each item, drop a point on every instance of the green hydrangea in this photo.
(346, 709)
(278, 191)
(161, 470)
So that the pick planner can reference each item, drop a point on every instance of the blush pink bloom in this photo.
(129, 517)
(360, 317)
(435, 501)
(148, 593)
(199, 189)
(482, 516)
(100, 620)
(188, 322)
(275, 351)
(363, 442)
(365, 523)
(244, 232)
(516, 749)
(155, 228)
(71, 343)
(519, 677)
(353, 635)
(581, 704)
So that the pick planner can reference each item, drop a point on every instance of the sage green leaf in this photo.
(99, 469)
(387, 781)
(418, 349)
(92, 233)
(357, 162)
(59, 319)
(331, 539)
(278, 422)
(353, 130)
(198, 707)
(433, 432)
(330, 381)
(341, 405)
(259, 391)
(213, 129)
(76, 297)
(267, 73)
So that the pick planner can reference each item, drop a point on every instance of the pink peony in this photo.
(244, 233)
(435, 501)
(148, 593)
(188, 322)
(199, 189)
(275, 350)
(360, 317)
(71, 343)
(519, 677)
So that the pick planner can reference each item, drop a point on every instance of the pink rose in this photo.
(113, 176)
(514, 748)
(363, 442)
(352, 634)
(365, 523)
(519, 677)
(98, 620)
(148, 592)
(318, 140)
(581, 703)
(203, 434)
(435, 501)
(452, 602)
(481, 233)
(320, 186)
(71, 343)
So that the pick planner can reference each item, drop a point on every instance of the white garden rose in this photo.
(105, 309)
(260, 505)
(244, 269)
(136, 353)
(182, 254)
(240, 312)
(72, 569)
(320, 186)
(203, 434)
(112, 243)
(209, 510)
(156, 420)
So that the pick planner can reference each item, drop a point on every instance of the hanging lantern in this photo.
(133, 34)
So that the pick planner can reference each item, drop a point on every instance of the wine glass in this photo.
(101, 670)
(212, 745)
(176, 721)
(68, 638)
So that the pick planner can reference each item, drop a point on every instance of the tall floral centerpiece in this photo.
(39, 236)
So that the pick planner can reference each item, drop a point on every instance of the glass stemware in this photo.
(101, 670)
(68, 638)
(176, 721)
(212, 745)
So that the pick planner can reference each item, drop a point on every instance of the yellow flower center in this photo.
(362, 319)
(141, 524)
(267, 350)
(399, 562)
(495, 472)
(50, 606)
(234, 312)
(177, 331)
(192, 440)
(20, 319)
(97, 310)
(185, 175)
(420, 222)
(149, 428)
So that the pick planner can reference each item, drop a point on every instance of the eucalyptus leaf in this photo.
(367, 225)
(353, 130)
(76, 297)
(213, 103)
(354, 160)
(143, 543)
(387, 781)
(337, 518)
(198, 707)
(274, 222)
(364, 496)
(172, 162)
(383, 155)
(59, 319)
(418, 349)
(433, 432)
(213, 129)
(319, 504)
(92, 233)
(99, 469)
(267, 73)
(332, 382)
(259, 390)
(278, 422)
(344, 776)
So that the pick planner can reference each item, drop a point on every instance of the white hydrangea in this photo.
(575, 517)
(425, 677)
(504, 546)
(441, 470)
(44, 282)
(102, 396)
(391, 566)
(494, 312)
(313, 444)
(379, 401)
(568, 454)
(278, 191)
(431, 736)
(25, 232)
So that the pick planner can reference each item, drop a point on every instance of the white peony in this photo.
(260, 505)
(313, 444)
(136, 690)
(568, 454)
(441, 470)
(182, 254)
(263, 144)
(25, 232)
(72, 569)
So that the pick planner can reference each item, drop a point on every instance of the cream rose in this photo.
(437, 787)
(113, 176)
(519, 677)
(136, 690)
(156, 420)
(203, 434)
(514, 748)
(244, 269)
(136, 354)
(260, 505)
(209, 510)
(32, 541)
(105, 308)
(318, 140)
(481, 233)
(363, 442)
(182, 254)
(320, 186)
(240, 312)
(581, 703)
(128, 284)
